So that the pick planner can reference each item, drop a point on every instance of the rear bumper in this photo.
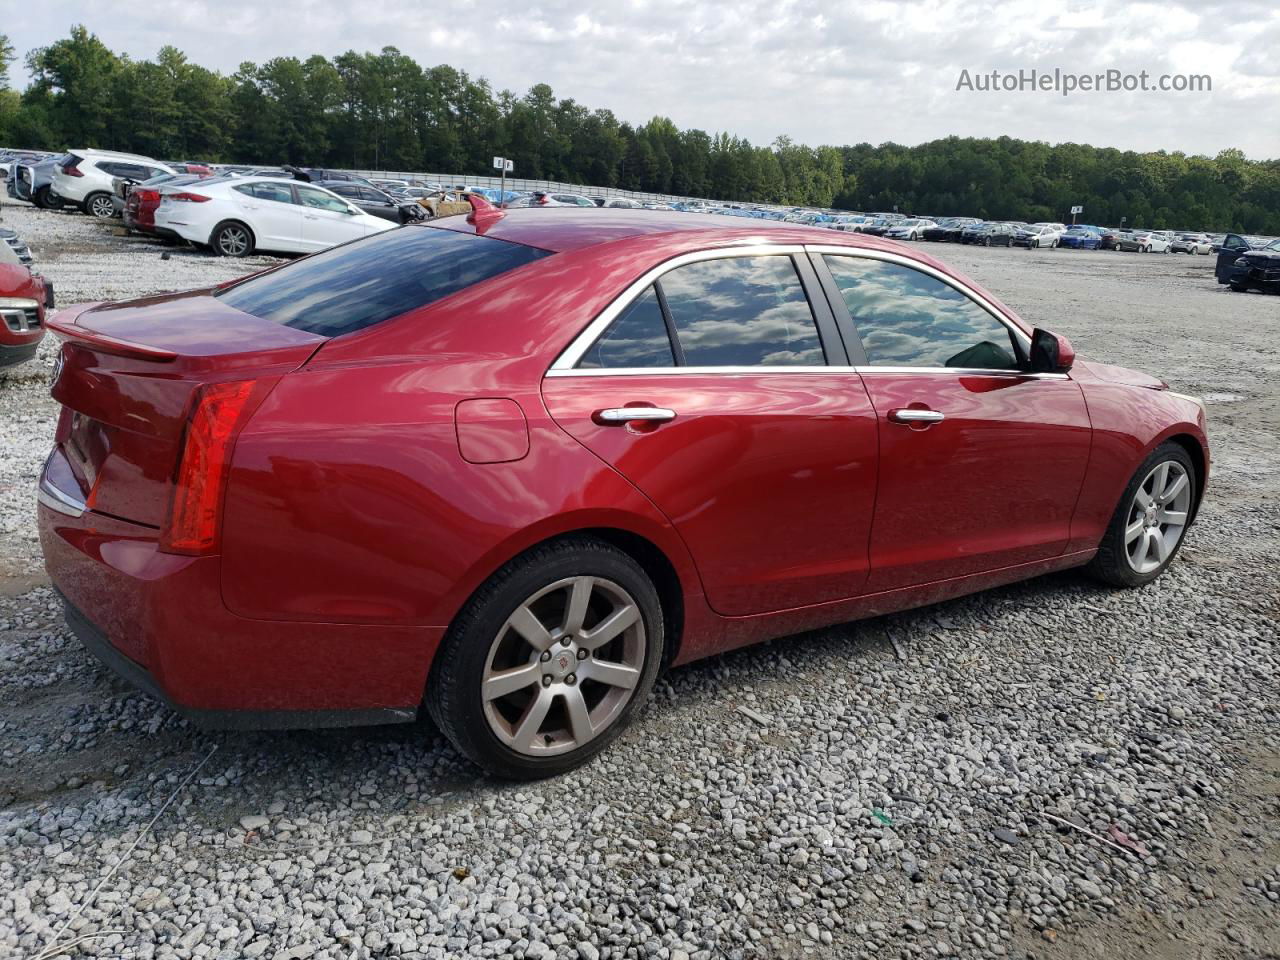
(96, 642)
(159, 621)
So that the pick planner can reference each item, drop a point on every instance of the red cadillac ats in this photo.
(512, 465)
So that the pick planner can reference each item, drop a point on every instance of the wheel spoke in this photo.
(608, 628)
(1134, 530)
(531, 722)
(1159, 545)
(614, 674)
(509, 681)
(579, 597)
(530, 627)
(1138, 555)
(1142, 498)
(1161, 478)
(575, 705)
(1176, 517)
(1174, 488)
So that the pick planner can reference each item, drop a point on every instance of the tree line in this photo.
(383, 111)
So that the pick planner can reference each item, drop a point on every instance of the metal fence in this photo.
(518, 184)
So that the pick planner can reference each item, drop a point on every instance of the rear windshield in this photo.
(359, 284)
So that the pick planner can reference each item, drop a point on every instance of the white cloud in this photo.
(820, 72)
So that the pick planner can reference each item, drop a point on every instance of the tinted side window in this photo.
(359, 284)
(278, 192)
(636, 338)
(742, 311)
(907, 318)
(311, 197)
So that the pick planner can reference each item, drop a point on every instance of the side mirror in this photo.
(1050, 352)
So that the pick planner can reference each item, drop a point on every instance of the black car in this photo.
(319, 175)
(987, 234)
(1244, 268)
(375, 201)
(947, 230)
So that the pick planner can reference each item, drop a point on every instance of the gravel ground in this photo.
(1052, 769)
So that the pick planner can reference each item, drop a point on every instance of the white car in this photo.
(1145, 241)
(238, 216)
(1035, 235)
(85, 178)
(1200, 243)
(911, 229)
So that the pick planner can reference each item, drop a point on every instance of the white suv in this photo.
(84, 178)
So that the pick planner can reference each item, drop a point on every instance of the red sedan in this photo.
(23, 299)
(510, 466)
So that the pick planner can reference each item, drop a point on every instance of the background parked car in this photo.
(84, 178)
(948, 229)
(31, 180)
(1192, 243)
(236, 216)
(1144, 241)
(1081, 237)
(376, 202)
(990, 234)
(24, 297)
(142, 199)
(909, 229)
(1036, 235)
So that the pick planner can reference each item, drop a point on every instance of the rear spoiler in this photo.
(102, 343)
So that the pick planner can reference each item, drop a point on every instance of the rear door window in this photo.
(637, 338)
(742, 311)
(359, 284)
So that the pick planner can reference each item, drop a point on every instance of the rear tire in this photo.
(44, 199)
(1151, 520)
(579, 693)
(232, 239)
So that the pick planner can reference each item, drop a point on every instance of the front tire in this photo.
(232, 240)
(1151, 521)
(548, 661)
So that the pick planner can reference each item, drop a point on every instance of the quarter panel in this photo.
(357, 469)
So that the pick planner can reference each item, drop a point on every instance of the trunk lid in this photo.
(127, 376)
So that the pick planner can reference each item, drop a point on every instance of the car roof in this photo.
(563, 229)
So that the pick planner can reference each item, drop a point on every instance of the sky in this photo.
(818, 72)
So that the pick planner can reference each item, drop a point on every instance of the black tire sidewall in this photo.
(217, 233)
(1112, 562)
(453, 697)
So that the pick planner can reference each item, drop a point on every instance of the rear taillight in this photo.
(70, 169)
(192, 527)
(189, 197)
(544, 200)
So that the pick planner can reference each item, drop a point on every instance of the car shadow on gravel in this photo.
(86, 727)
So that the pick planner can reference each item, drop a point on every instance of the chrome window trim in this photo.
(937, 274)
(565, 363)
(686, 371)
(775, 371)
(570, 356)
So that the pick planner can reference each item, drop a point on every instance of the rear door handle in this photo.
(617, 415)
(916, 416)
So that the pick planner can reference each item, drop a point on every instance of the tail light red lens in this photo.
(192, 527)
(71, 170)
(190, 197)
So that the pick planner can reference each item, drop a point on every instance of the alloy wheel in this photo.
(233, 241)
(100, 206)
(564, 666)
(1157, 516)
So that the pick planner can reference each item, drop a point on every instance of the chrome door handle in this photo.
(631, 414)
(916, 416)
